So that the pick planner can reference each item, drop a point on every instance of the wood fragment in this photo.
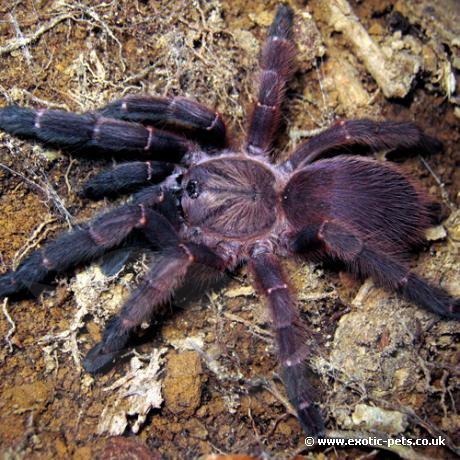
(394, 76)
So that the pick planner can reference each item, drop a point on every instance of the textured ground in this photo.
(209, 366)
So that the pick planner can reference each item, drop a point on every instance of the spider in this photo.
(219, 207)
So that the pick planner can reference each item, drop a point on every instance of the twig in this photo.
(17, 173)
(256, 330)
(95, 16)
(432, 429)
(48, 191)
(44, 102)
(441, 184)
(12, 324)
(140, 75)
(20, 35)
(8, 98)
(66, 177)
(16, 43)
(394, 76)
(30, 244)
(273, 389)
(57, 201)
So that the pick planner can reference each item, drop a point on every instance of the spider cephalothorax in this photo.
(218, 207)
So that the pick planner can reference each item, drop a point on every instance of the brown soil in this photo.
(218, 368)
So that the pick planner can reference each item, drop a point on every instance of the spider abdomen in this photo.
(231, 197)
(375, 199)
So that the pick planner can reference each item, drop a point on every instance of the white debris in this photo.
(435, 233)
(195, 343)
(95, 294)
(241, 291)
(134, 395)
(376, 418)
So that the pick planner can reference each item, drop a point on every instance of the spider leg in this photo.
(175, 112)
(78, 131)
(276, 64)
(291, 338)
(126, 178)
(164, 276)
(386, 270)
(376, 135)
(76, 247)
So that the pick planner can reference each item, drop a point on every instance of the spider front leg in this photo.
(291, 338)
(176, 112)
(74, 248)
(387, 272)
(80, 131)
(126, 177)
(376, 135)
(276, 64)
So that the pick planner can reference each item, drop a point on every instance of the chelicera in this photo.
(218, 207)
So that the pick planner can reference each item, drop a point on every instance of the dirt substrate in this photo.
(203, 379)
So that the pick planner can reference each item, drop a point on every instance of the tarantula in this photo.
(221, 207)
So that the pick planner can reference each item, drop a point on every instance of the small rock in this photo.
(435, 233)
(183, 382)
(376, 418)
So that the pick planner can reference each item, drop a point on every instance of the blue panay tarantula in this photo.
(220, 207)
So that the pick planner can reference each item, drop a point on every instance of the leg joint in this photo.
(188, 252)
(150, 129)
(276, 288)
(214, 122)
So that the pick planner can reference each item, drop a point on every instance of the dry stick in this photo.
(49, 192)
(5, 94)
(20, 36)
(432, 429)
(12, 324)
(67, 182)
(17, 173)
(387, 73)
(16, 43)
(441, 184)
(256, 330)
(44, 102)
(95, 16)
(31, 243)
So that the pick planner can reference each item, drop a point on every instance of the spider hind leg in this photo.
(276, 63)
(291, 340)
(386, 270)
(348, 135)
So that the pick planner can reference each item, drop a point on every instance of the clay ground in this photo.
(208, 369)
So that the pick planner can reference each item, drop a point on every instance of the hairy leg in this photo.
(79, 131)
(276, 64)
(126, 177)
(376, 135)
(291, 338)
(363, 260)
(175, 112)
(76, 247)
(157, 287)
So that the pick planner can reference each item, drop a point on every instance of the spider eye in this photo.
(192, 189)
